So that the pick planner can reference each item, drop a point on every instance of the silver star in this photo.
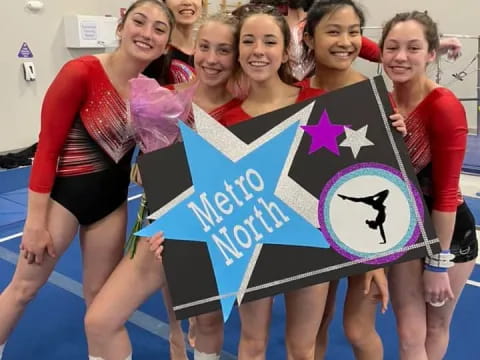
(356, 139)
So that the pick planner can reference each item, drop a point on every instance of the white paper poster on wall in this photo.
(88, 30)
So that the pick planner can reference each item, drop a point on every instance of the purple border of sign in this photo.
(331, 241)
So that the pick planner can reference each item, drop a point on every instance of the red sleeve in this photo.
(370, 50)
(448, 140)
(305, 83)
(218, 113)
(61, 104)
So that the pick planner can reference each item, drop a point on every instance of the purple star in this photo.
(324, 134)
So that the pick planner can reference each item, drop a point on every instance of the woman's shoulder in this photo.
(442, 98)
(219, 112)
(442, 92)
(89, 61)
(234, 115)
(443, 109)
(82, 68)
(86, 61)
(232, 103)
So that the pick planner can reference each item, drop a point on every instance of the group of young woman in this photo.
(81, 173)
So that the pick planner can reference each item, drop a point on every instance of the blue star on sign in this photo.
(234, 210)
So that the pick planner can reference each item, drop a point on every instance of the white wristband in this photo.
(441, 260)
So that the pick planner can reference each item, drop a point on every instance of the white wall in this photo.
(20, 101)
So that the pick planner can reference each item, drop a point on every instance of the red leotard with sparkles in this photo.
(237, 114)
(80, 98)
(86, 143)
(436, 141)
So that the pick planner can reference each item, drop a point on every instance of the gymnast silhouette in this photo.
(375, 201)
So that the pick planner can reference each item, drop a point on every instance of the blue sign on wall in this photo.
(25, 51)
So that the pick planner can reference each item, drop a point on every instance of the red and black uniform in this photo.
(436, 141)
(219, 112)
(181, 66)
(237, 114)
(172, 68)
(85, 144)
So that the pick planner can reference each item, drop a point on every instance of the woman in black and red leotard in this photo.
(333, 31)
(424, 293)
(80, 173)
(138, 276)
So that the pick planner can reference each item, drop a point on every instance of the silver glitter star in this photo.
(356, 139)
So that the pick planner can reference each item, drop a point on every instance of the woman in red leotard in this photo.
(424, 293)
(139, 276)
(264, 38)
(333, 33)
(80, 173)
